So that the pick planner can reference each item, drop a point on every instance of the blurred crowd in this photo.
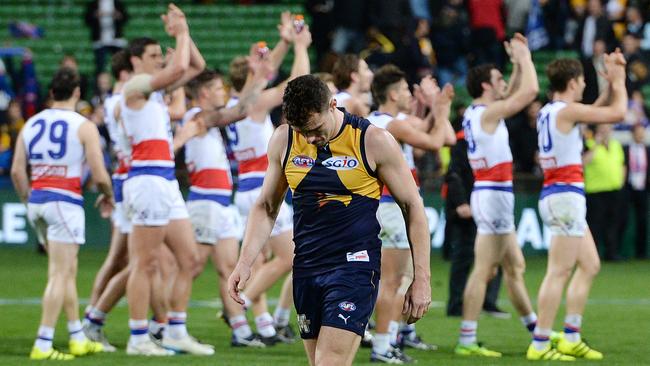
(443, 38)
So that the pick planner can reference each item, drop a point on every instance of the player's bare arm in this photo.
(273, 97)
(19, 175)
(385, 155)
(521, 97)
(612, 113)
(262, 214)
(256, 81)
(89, 137)
(435, 137)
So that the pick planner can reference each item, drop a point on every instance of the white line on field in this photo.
(216, 303)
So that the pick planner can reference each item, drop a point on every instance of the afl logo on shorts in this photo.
(302, 161)
(341, 163)
(347, 306)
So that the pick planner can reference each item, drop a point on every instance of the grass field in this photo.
(617, 321)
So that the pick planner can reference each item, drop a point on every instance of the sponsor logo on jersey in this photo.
(347, 306)
(341, 163)
(361, 256)
(302, 161)
(43, 170)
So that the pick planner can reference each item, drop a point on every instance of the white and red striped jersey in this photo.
(489, 154)
(382, 120)
(149, 133)
(208, 166)
(249, 141)
(560, 154)
(55, 155)
(119, 140)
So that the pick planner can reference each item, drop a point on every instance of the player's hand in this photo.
(519, 48)
(191, 128)
(106, 204)
(175, 21)
(304, 37)
(237, 282)
(442, 102)
(464, 211)
(430, 90)
(285, 28)
(417, 300)
(614, 66)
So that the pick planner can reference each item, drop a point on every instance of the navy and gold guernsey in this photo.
(335, 198)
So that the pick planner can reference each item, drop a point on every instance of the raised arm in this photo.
(435, 137)
(286, 33)
(522, 96)
(612, 113)
(256, 81)
(263, 213)
(272, 98)
(178, 65)
(383, 150)
(19, 170)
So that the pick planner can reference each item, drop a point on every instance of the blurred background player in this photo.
(492, 199)
(352, 77)
(249, 139)
(391, 91)
(562, 203)
(151, 192)
(216, 221)
(55, 143)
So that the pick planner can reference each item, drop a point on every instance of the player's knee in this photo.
(225, 270)
(591, 269)
(560, 273)
(148, 264)
(514, 271)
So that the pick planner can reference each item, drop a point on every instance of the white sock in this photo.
(541, 338)
(75, 330)
(381, 343)
(247, 301)
(139, 328)
(393, 329)
(408, 330)
(281, 316)
(529, 321)
(96, 317)
(44, 338)
(155, 326)
(264, 324)
(468, 332)
(572, 324)
(177, 328)
(240, 327)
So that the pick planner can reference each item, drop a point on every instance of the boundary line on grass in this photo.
(217, 304)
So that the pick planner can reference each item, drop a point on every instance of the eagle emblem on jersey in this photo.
(325, 198)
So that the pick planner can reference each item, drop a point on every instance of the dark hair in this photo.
(476, 77)
(385, 77)
(120, 62)
(561, 71)
(238, 72)
(201, 80)
(137, 46)
(343, 67)
(304, 96)
(64, 82)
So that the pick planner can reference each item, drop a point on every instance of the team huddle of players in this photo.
(161, 242)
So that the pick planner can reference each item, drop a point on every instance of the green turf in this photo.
(616, 321)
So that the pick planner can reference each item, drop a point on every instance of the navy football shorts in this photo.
(343, 298)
